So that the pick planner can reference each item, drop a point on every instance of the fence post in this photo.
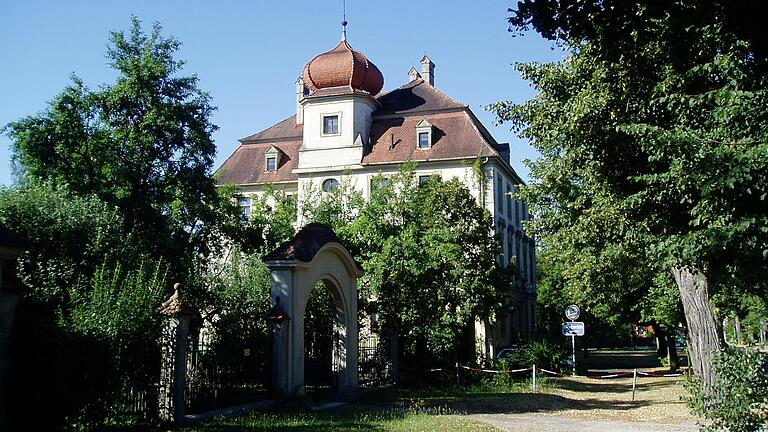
(534, 377)
(762, 331)
(634, 383)
(739, 340)
(458, 374)
(173, 360)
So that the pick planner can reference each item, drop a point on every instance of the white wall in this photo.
(341, 150)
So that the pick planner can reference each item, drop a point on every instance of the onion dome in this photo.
(343, 67)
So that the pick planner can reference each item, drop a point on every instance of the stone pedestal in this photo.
(174, 357)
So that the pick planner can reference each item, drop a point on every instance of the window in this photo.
(330, 185)
(424, 179)
(423, 135)
(271, 163)
(423, 140)
(499, 195)
(509, 202)
(272, 159)
(245, 209)
(378, 182)
(331, 124)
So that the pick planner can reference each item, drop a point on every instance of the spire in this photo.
(344, 22)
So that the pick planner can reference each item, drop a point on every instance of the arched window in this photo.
(330, 185)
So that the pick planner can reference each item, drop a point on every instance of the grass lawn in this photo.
(341, 419)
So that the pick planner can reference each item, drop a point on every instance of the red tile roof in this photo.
(456, 134)
(247, 164)
(284, 130)
(416, 96)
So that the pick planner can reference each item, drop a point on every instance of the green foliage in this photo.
(740, 403)
(543, 354)
(428, 252)
(654, 150)
(338, 208)
(119, 309)
(273, 214)
(142, 144)
(71, 236)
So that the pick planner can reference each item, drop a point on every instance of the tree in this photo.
(654, 145)
(429, 256)
(142, 144)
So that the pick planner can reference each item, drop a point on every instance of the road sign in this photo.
(573, 328)
(572, 312)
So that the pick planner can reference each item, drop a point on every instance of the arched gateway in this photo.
(315, 254)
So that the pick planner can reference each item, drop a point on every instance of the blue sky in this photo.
(248, 54)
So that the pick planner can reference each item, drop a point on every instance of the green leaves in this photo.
(428, 253)
(739, 404)
(142, 144)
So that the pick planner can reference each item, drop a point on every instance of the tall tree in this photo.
(142, 144)
(429, 255)
(654, 143)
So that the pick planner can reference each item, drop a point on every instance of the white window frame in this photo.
(274, 167)
(322, 124)
(245, 204)
(272, 152)
(424, 126)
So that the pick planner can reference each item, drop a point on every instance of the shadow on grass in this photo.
(493, 402)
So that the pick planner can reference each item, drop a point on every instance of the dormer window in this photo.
(423, 135)
(272, 159)
(331, 124)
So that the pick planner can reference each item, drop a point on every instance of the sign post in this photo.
(573, 329)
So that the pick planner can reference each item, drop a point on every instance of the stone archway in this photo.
(315, 254)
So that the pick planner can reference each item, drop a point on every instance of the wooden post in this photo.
(739, 340)
(173, 365)
(534, 377)
(458, 374)
(634, 383)
(762, 331)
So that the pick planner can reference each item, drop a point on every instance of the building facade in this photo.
(345, 126)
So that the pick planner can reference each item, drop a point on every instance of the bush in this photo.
(543, 354)
(740, 400)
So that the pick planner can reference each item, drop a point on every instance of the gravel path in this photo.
(557, 423)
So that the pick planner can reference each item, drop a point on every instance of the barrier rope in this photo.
(495, 371)
(654, 374)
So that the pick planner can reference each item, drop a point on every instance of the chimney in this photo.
(301, 91)
(428, 70)
(413, 74)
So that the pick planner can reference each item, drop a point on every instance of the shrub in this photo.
(740, 402)
(543, 354)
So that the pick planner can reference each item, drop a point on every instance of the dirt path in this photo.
(559, 423)
(584, 404)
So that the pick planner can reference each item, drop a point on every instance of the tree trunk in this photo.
(674, 359)
(661, 340)
(703, 330)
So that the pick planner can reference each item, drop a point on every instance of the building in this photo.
(345, 125)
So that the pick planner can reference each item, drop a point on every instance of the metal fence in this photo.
(221, 373)
(374, 365)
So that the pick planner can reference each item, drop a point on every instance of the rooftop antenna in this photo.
(344, 21)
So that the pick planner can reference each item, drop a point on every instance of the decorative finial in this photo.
(344, 21)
